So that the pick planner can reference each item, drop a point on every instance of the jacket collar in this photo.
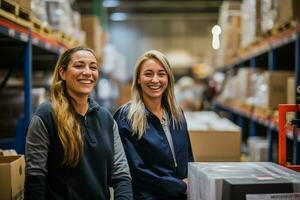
(93, 105)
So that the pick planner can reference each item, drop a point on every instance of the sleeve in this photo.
(121, 178)
(143, 176)
(190, 151)
(36, 155)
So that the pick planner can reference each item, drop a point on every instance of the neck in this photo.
(155, 107)
(80, 104)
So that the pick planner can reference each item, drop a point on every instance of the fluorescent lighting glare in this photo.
(110, 3)
(216, 31)
(118, 16)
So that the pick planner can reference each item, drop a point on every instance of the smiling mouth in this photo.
(86, 81)
(156, 87)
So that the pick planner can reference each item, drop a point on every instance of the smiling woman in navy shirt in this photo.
(154, 132)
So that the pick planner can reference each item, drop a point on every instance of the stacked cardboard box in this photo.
(213, 138)
(91, 25)
(251, 19)
(230, 22)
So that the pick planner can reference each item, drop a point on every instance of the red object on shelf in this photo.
(282, 129)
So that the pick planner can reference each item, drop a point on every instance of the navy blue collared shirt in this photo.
(153, 170)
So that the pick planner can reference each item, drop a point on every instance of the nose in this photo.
(155, 78)
(87, 70)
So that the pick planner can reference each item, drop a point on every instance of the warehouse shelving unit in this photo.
(277, 52)
(25, 51)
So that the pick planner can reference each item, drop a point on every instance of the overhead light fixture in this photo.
(118, 16)
(216, 31)
(110, 3)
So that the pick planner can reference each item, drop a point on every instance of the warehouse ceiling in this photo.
(141, 8)
(176, 27)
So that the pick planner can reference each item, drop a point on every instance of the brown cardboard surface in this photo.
(291, 90)
(277, 84)
(287, 10)
(91, 25)
(216, 145)
(12, 177)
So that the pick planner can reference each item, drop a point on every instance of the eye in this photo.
(162, 74)
(148, 74)
(78, 66)
(94, 68)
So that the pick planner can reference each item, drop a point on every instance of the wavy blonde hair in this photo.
(136, 114)
(68, 125)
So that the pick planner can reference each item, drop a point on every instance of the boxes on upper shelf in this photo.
(213, 138)
(91, 25)
(233, 181)
(275, 92)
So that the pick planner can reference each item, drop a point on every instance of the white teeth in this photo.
(85, 81)
(154, 87)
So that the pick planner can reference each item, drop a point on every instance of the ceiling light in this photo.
(110, 3)
(118, 16)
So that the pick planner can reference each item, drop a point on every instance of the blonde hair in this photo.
(68, 126)
(136, 113)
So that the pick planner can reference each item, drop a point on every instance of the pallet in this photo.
(279, 28)
(38, 27)
(15, 13)
(59, 36)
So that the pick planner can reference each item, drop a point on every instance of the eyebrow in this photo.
(151, 70)
(79, 61)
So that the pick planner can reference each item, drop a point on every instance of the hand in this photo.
(185, 180)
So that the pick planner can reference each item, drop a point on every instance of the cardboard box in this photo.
(26, 4)
(291, 90)
(287, 10)
(213, 138)
(12, 177)
(91, 25)
(277, 85)
(245, 87)
(258, 149)
(216, 145)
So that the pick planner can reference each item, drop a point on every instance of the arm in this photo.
(36, 155)
(120, 176)
(145, 177)
(190, 152)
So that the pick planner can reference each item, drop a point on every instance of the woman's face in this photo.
(153, 79)
(81, 74)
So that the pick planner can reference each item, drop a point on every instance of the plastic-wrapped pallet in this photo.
(232, 181)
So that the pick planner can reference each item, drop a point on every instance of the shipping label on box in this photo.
(12, 177)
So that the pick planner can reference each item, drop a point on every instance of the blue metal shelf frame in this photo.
(18, 142)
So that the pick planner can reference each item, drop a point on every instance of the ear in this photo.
(138, 81)
(61, 73)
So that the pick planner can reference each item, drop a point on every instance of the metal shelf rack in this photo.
(278, 52)
(24, 50)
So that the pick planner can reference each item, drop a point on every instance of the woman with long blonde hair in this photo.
(154, 132)
(73, 148)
